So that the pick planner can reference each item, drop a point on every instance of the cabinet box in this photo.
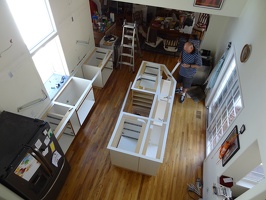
(139, 139)
(98, 67)
(69, 110)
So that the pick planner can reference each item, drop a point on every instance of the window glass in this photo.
(34, 21)
(56, 62)
(252, 178)
(225, 105)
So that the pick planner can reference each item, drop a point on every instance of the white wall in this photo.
(19, 80)
(73, 23)
(249, 28)
(213, 37)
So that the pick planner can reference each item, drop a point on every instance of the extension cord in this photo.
(192, 188)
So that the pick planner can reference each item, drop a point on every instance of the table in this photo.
(98, 35)
(166, 31)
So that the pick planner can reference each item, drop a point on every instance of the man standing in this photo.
(190, 60)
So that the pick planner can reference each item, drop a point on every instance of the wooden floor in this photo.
(92, 175)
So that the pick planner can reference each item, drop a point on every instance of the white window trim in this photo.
(211, 95)
(50, 36)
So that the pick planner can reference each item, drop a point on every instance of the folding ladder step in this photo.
(129, 40)
(128, 36)
(128, 46)
(126, 63)
(126, 54)
(129, 26)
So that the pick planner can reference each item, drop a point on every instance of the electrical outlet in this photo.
(10, 74)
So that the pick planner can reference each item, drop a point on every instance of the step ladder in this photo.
(129, 41)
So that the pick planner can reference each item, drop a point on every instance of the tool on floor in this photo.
(129, 41)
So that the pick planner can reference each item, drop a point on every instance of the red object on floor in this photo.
(225, 183)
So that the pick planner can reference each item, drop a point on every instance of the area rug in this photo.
(196, 93)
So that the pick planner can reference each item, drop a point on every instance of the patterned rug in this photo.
(196, 93)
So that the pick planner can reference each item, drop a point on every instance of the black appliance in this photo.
(32, 163)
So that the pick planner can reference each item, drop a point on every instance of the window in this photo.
(34, 21)
(55, 64)
(225, 105)
(252, 178)
(36, 25)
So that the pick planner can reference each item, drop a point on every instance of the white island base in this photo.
(139, 139)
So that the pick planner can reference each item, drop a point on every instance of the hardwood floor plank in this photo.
(92, 175)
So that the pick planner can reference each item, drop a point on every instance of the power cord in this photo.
(190, 195)
(194, 189)
(11, 42)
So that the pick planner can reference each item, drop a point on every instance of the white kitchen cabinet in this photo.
(77, 93)
(69, 110)
(72, 104)
(64, 123)
(85, 106)
(139, 139)
(98, 67)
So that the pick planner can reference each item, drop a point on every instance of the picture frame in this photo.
(212, 4)
(233, 139)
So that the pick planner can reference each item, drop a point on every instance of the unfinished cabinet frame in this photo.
(69, 110)
(139, 139)
(98, 67)
(73, 103)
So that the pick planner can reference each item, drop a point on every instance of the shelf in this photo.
(129, 133)
(153, 145)
(143, 95)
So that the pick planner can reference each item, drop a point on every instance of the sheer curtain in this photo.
(211, 80)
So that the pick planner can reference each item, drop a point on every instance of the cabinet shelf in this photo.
(148, 101)
(142, 104)
(153, 145)
(143, 95)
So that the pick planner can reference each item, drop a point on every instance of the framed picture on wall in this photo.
(213, 4)
(234, 146)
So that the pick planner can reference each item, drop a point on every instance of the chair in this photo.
(170, 45)
(170, 42)
(152, 39)
(202, 25)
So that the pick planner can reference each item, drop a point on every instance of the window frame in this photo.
(220, 122)
(51, 33)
